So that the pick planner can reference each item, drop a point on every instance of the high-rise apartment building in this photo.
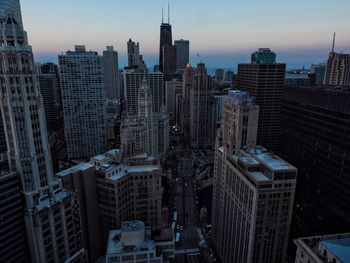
(162, 119)
(182, 54)
(132, 83)
(263, 56)
(111, 73)
(265, 82)
(316, 138)
(199, 109)
(13, 238)
(166, 39)
(84, 102)
(127, 191)
(253, 189)
(52, 216)
(169, 62)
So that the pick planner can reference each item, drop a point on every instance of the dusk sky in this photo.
(223, 32)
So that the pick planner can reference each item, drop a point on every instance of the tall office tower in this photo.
(319, 71)
(162, 119)
(82, 178)
(51, 213)
(263, 56)
(323, 249)
(111, 72)
(127, 191)
(13, 240)
(185, 110)
(254, 226)
(182, 54)
(51, 68)
(316, 127)
(219, 74)
(132, 83)
(265, 82)
(84, 102)
(166, 39)
(48, 86)
(146, 114)
(172, 89)
(169, 62)
(199, 109)
(135, 60)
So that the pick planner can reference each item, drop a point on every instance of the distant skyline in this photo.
(224, 34)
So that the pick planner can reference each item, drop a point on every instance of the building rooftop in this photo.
(47, 201)
(239, 97)
(340, 248)
(263, 156)
(331, 248)
(79, 167)
(133, 237)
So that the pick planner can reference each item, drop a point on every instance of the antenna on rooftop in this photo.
(168, 13)
(162, 15)
(333, 43)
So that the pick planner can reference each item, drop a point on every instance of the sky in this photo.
(223, 32)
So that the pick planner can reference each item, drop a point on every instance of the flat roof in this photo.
(259, 177)
(339, 248)
(268, 159)
(79, 167)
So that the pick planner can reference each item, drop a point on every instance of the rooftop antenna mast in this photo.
(333, 43)
(168, 13)
(162, 15)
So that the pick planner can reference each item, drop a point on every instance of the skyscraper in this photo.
(13, 239)
(84, 102)
(135, 60)
(199, 109)
(51, 213)
(165, 40)
(146, 114)
(263, 56)
(48, 86)
(338, 68)
(319, 71)
(265, 82)
(169, 62)
(132, 83)
(172, 89)
(315, 125)
(111, 73)
(182, 54)
(184, 120)
(253, 189)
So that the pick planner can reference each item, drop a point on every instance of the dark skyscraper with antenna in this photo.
(165, 39)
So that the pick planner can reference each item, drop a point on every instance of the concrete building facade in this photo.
(84, 102)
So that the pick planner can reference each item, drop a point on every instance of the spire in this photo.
(162, 15)
(333, 43)
(168, 13)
